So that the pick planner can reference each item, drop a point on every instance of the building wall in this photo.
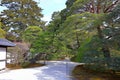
(2, 57)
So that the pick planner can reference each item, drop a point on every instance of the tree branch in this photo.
(92, 9)
(98, 6)
(111, 6)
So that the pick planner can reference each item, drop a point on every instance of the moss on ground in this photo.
(81, 73)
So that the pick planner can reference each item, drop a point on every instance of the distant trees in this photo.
(22, 23)
(19, 15)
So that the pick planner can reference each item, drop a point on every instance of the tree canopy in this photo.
(19, 15)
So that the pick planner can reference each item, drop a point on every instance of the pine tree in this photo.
(19, 15)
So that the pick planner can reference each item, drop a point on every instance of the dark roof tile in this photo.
(6, 43)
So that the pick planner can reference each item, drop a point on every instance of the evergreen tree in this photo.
(19, 15)
(90, 18)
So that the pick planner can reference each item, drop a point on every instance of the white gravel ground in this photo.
(54, 70)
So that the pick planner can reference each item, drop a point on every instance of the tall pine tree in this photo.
(19, 15)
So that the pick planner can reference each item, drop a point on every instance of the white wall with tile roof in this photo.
(2, 58)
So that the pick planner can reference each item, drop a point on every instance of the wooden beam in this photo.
(3, 60)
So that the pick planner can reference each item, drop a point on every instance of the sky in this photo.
(48, 6)
(2, 8)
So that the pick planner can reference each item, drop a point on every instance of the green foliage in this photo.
(77, 28)
(41, 44)
(20, 15)
(82, 50)
(2, 33)
(83, 29)
(11, 37)
(31, 33)
(25, 64)
(66, 12)
(78, 4)
(90, 22)
(94, 59)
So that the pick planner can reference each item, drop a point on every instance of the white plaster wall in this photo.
(2, 64)
(2, 57)
(2, 53)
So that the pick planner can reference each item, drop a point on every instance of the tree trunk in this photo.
(106, 51)
(77, 37)
(105, 48)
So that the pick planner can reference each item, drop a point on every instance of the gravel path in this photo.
(54, 70)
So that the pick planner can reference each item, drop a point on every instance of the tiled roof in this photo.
(5, 42)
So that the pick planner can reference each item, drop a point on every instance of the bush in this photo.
(25, 64)
(73, 59)
(102, 64)
(115, 64)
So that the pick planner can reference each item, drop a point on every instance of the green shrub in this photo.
(25, 64)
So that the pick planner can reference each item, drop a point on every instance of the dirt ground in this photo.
(15, 66)
(80, 73)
